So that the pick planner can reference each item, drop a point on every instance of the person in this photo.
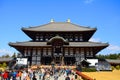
(0, 74)
(27, 77)
(5, 75)
(76, 76)
(67, 78)
(14, 73)
(34, 77)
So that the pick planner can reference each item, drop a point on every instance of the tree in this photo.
(113, 56)
(14, 55)
(7, 56)
(109, 56)
(0, 65)
(4, 64)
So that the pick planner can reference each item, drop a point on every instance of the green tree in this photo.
(117, 67)
(119, 56)
(4, 64)
(3, 56)
(0, 65)
(7, 56)
(109, 56)
(14, 55)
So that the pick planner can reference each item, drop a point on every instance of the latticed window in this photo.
(49, 51)
(36, 59)
(66, 37)
(71, 37)
(25, 52)
(87, 52)
(82, 56)
(44, 51)
(66, 51)
(71, 51)
(81, 37)
(77, 50)
(76, 37)
(33, 62)
(41, 37)
(82, 50)
(46, 37)
(91, 52)
(39, 51)
(29, 52)
(37, 38)
(34, 52)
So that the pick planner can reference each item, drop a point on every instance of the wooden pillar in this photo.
(62, 60)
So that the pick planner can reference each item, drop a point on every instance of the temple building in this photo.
(63, 43)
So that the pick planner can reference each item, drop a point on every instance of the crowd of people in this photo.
(43, 73)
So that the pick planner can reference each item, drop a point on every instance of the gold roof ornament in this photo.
(52, 20)
(68, 20)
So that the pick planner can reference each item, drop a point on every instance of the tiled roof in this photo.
(71, 44)
(5, 59)
(28, 44)
(87, 44)
(113, 61)
(59, 26)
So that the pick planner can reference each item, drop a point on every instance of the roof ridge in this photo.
(45, 24)
(57, 23)
(82, 26)
(38, 25)
(58, 26)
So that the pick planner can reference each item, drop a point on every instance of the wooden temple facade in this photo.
(63, 43)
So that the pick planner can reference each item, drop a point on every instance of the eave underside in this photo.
(97, 46)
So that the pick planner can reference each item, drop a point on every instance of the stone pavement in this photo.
(62, 77)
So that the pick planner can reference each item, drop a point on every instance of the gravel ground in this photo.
(104, 75)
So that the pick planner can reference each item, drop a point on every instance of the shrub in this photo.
(117, 67)
(112, 67)
(4, 64)
(0, 65)
(88, 69)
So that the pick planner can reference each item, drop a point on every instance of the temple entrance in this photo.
(57, 60)
(46, 60)
(57, 43)
(69, 60)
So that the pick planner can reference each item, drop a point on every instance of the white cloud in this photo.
(114, 48)
(94, 39)
(88, 1)
(5, 51)
(110, 49)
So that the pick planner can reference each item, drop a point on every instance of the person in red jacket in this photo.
(5, 75)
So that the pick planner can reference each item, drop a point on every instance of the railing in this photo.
(83, 76)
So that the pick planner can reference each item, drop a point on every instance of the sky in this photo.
(101, 14)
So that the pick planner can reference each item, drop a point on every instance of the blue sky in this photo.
(102, 14)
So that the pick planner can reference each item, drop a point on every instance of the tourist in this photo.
(67, 78)
(5, 75)
(55, 77)
(14, 74)
(27, 77)
(34, 77)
